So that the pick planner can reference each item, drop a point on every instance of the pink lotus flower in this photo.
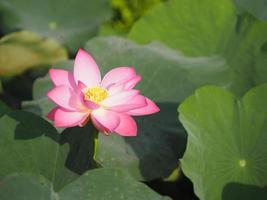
(110, 103)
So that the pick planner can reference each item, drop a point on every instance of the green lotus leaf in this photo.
(29, 144)
(23, 50)
(226, 150)
(207, 28)
(196, 27)
(100, 184)
(71, 22)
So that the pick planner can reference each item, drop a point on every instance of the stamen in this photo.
(96, 94)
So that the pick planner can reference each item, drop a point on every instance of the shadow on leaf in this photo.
(161, 141)
(81, 141)
(233, 191)
(31, 126)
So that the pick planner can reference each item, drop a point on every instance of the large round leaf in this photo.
(70, 22)
(207, 28)
(30, 144)
(227, 141)
(110, 184)
(167, 77)
(197, 27)
(100, 184)
(20, 51)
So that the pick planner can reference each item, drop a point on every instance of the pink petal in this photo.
(132, 83)
(91, 105)
(51, 114)
(117, 76)
(62, 77)
(149, 109)
(115, 89)
(128, 85)
(66, 98)
(100, 127)
(127, 126)
(120, 98)
(86, 69)
(136, 102)
(66, 119)
(106, 121)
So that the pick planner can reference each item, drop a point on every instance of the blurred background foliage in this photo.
(23, 50)
(126, 12)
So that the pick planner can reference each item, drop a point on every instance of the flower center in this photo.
(96, 94)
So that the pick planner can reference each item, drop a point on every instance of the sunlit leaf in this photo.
(227, 143)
